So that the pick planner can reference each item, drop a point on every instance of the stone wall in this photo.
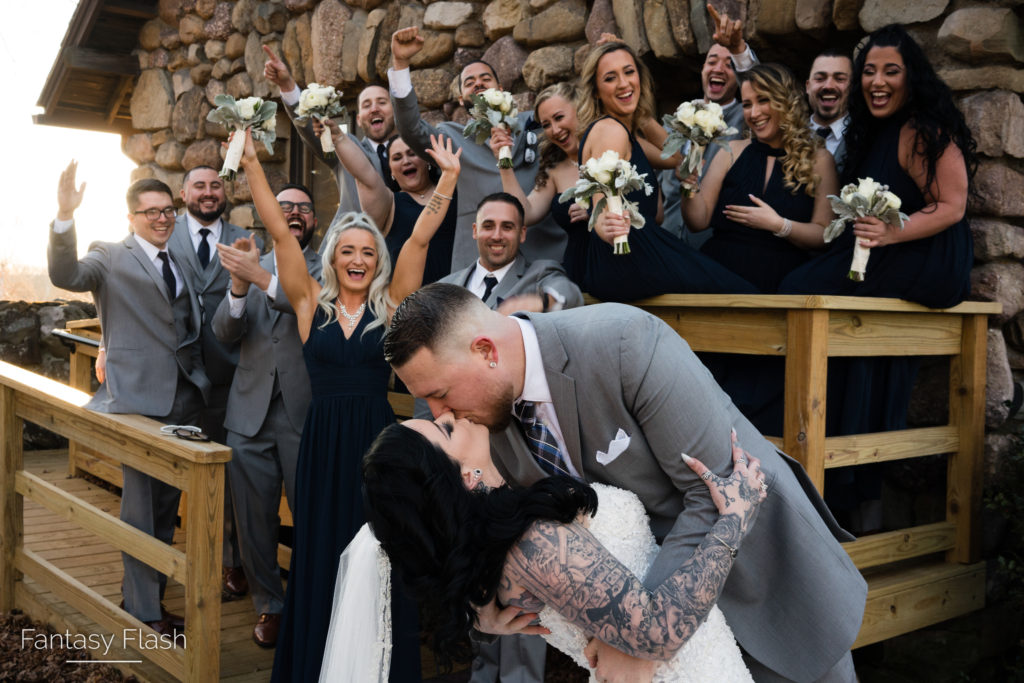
(199, 48)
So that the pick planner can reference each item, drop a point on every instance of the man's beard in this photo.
(499, 417)
(193, 208)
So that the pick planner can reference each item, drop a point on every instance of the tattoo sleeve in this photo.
(565, 567)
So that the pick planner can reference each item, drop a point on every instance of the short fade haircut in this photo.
(424, 319)
(196, 168)
(471, 62)
(299, 187)
(505, 198)
(832, 52)
(145, 185)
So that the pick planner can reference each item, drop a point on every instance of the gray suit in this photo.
(265, 414)
(210, 285)
(480, 177)
(348, 196)
(670, 185)
(525, 277)
(516, 658)
(793, 598)
(154, 368)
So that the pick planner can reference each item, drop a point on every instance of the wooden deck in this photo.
(98, 565)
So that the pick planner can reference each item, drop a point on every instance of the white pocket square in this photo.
(615, 448)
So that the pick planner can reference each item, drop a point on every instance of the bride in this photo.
(459, 537)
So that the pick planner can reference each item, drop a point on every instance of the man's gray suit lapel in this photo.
(185, 252)
(267, 261)
(511, 280)
(140, 255)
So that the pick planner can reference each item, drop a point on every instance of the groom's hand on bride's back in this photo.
(507, 621)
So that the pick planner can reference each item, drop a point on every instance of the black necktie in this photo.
(490, 282)
(382, 155)
(823, 132)
(203, 252)
(172, 285)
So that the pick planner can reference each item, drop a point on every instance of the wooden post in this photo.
(967, 414)
(80, 377)
(803, 435)
(11, 504)
(202, 591)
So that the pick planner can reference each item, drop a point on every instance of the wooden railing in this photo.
(195, 468)
(906, 591)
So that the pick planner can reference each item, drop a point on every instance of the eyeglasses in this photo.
(153, 214)
(303, 207)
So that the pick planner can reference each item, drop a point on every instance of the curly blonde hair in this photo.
(798, 141)
(589, 107)
(551, 154)
(377, 299)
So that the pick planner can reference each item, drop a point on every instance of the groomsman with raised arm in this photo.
(729, 54)
(374, 117)
(194, 244)
(150, 318)
(827, 88)
(268, 401)
(480, 176)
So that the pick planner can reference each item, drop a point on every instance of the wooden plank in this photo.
(908, 599)
(870, 333)
(902, 544)
(203, 587)
(99, 465)
(84, 324)
(122, 536)
(100, 610)
(805, 301)
(88, 59)
(803, 435)
(863, 449)
(757, 332)
(402, 404)
(967, 413)
(11, 504)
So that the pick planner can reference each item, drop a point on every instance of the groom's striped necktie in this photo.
(540, 439)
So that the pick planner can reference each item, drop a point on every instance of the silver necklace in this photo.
(352, 317)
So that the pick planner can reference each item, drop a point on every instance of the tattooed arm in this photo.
(565, 567)
(408, 274)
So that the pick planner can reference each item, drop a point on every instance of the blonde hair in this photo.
(798, 142)
(550, 153)
(588, 105)
(377, 299)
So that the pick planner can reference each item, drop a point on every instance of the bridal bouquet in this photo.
(321, 101)
(614, 178)
(236, 116)
(866, 197)
(492, 108)
(699, 123)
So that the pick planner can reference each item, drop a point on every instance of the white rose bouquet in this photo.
(250, 112)
(492, 108)
(700, 123)
(321, 101)
(614, 178)
(866, 197)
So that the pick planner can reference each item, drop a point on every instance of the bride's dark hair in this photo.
(449, 544)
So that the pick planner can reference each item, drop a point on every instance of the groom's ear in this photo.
(483, 347)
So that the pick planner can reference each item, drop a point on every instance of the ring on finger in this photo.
(741, 461)
(764, 485)
(706, 476)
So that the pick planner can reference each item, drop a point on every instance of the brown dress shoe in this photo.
(235, 584)
(265, 633)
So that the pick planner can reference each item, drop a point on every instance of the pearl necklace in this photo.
(352, 317)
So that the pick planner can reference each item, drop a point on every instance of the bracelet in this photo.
(787, 227)
(732, 550)
(442, 195)
(237, 296)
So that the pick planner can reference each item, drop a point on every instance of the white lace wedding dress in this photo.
(622, 526)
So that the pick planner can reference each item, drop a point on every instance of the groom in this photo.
(617, 396)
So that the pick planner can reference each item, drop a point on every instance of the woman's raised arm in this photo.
(299, 287)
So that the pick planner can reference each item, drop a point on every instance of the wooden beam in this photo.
(11, 504)
(903, 544)
(88, 59)
(203, 586)
(864, 449)
(905, 600)
(102, 611)
(136, 9)
(121, 535)
(114, 105)
(870, 333)
(806, 376)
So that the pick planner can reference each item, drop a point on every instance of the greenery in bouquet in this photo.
(700, 124)
(236, 116)
(491, 108)
(321, 101)
(866, 197)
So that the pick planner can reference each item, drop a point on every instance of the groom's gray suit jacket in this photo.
(793, 598)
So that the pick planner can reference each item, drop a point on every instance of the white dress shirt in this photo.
(836, 131)
(536, 390)
(476, 280)
(194, 226)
